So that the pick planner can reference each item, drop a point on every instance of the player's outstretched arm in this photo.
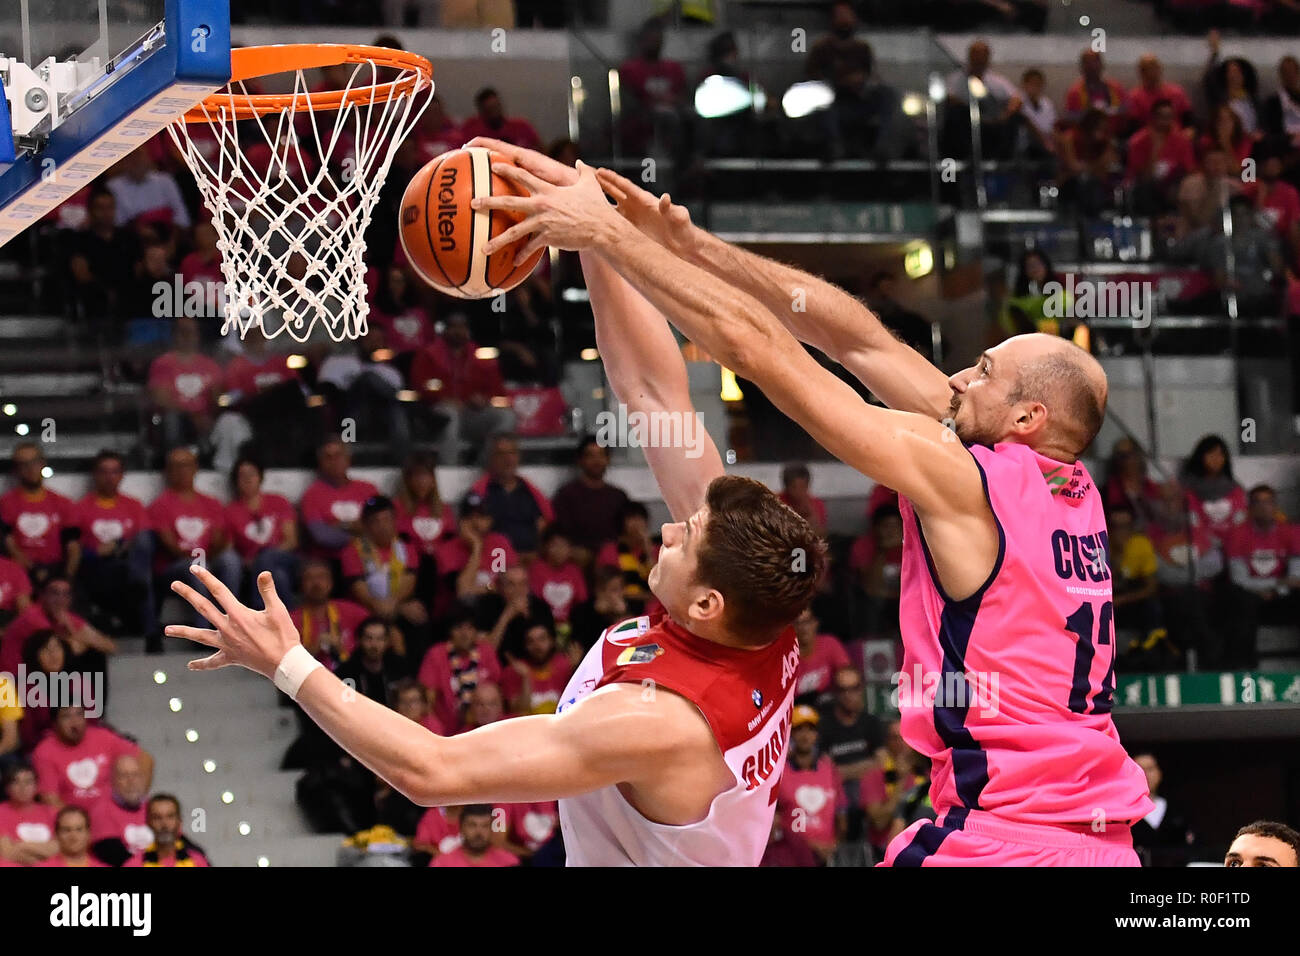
(648, 374)
(815, 311)
(911, 453)
(619, 734)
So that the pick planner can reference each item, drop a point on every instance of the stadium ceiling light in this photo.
(227, 797)
(913, 104)
(209, 766)
(918, 261)
(806, 98)
(10, 409)
(296, 361)
(485, 352)
(244, 828)
(263, 861)
(977, 88)
(719, 96)
(937, 90)
(47, 472)
(21, 428)
(192, 735)
(589, 355)
(175, 705)
(160, 677)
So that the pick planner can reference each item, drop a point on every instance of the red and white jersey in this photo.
(747, 697)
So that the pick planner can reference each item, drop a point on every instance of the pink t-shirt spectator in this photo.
(325, 503)
(407, 331)
(657, 83)
(560, 587)
(108, 821)
(495, 856)
(1220, 516)
(23, 626)
(1174, 161)
(1264, 553)
(251, 531)
(880, 495)
(424, 529)
(33, 823)
(108, 522)
(513, 130)
(80, 774)
(452, 676)
(245, 377)
(1280, 209)
(808, 800)
(1140, 101)
(818, 668)
(36, 522)
(194, 519)
(548, 683)
(189, 381)
(436, 829)
(14, 583)
(531, 825)
(453, 554)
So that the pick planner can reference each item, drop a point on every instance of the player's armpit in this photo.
(619, 734)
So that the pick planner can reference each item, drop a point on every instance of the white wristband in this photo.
(294, 668)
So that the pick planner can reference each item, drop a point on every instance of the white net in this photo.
(291, 193)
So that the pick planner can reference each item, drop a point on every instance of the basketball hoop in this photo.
(291, 180)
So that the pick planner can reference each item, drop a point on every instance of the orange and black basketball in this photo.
(443, 237)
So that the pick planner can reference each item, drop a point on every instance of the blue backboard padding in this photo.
(6, 129)
(176, 62)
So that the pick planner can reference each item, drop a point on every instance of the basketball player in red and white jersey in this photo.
(670, 737)
(1006, 609)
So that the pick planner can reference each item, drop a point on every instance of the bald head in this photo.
(1068, 381)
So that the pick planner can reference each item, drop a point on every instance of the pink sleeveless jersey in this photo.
(1009, 691)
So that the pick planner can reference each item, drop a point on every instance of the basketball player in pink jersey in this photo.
(1006, 607)
(671, 735)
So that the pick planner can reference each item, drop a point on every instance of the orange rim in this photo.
(249, 62)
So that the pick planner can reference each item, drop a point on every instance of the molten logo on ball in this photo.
(447, 208)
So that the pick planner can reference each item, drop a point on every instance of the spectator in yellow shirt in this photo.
(11, 713)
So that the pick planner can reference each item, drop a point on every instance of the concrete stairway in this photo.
(240, 735)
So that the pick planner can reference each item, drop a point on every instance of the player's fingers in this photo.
(199, 635)
(211, 662)
(199, 602)
(495, 145)
(521, 256)
(216, 588)
(513, 234)
(520, 204)
(611, 188)
(517, 174)
(630, 189)
(270, 599)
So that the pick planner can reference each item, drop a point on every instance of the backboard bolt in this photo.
(36, 99)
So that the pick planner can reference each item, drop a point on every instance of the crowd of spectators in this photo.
(1198, 562)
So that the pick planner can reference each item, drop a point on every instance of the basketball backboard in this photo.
(87, 81)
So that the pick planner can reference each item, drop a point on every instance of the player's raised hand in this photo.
(657, 216)
(566, 217)
(257, 640)
(539, 164)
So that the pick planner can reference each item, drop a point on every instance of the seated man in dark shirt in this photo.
(849, 735)
(507, 613)
(588, 509)
(100, 260)
(518, 508)
(373, 669)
